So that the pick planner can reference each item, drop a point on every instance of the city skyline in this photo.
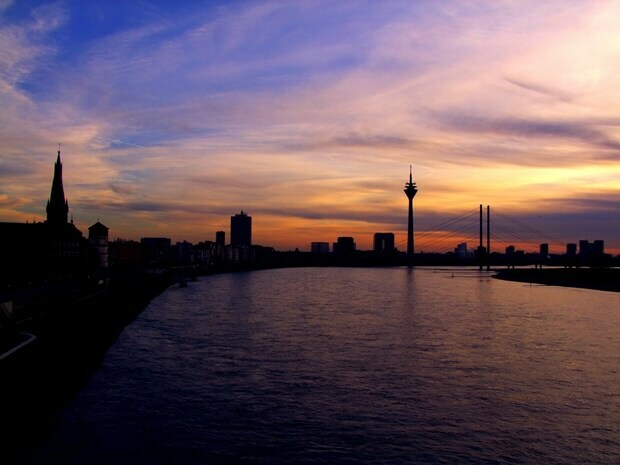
(57, 211)
(308, 116)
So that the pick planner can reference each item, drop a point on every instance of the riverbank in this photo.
(600, 279)
(71, 339)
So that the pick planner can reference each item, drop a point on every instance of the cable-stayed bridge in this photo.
(488, 228)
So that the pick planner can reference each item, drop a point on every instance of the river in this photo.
(355, 366)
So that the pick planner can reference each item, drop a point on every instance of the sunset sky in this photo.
(173, 116)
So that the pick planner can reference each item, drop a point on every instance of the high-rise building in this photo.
(220, 238)
(383, 242)
(598, 248)
(544, 250)
(571, 249)
(344, 246)
(241, 230)
(584, 248)
(591, 249)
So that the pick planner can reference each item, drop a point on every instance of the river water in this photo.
(355, 366)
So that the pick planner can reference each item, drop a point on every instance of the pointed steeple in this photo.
(57, 205)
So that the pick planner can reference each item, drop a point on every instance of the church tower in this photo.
(57, 206)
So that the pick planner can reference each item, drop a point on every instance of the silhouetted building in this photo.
(204, 253)
(67, 250)
(383, 242)
(584, 248)
(182, 253)
(595, 249)
(98, 243)
(544, 250)
(57, 206)
(55, 250)
(219, 252)
(461, 251)
(344, 246)
(598, 248)
(241, 230)
(571, 249)
(125, 255)
(220, 238)
(319, 248)
(513, 256)
(240, 254)
(156, 251)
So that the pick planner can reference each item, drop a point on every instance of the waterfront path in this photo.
(50, 357)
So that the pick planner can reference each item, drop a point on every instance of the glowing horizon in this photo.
(307, 115)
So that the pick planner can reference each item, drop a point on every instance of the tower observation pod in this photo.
(410, 191)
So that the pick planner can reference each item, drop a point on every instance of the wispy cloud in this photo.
(589, 133)
(541, 89)
(24, 46)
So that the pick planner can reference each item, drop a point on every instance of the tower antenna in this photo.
(410, 191)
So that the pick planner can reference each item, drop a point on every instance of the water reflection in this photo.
(356, 366)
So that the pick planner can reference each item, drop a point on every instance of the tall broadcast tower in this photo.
(410, 191)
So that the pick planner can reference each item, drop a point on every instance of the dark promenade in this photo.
(71, 337)
(601, 279)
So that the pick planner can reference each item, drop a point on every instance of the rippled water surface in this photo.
(350, 365)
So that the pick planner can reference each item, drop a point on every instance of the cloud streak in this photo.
(589, 133)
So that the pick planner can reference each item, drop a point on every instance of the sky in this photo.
(307, 115)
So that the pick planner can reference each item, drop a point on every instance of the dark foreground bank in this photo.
(70, 340)
(605, 279)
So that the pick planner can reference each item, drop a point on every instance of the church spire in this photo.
(57, 205)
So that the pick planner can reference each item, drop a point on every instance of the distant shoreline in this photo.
(605, 279)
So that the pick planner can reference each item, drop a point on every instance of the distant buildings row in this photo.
(159, 251)
(43, 257)
(42, 253)
(586, 250)
(382, 243)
